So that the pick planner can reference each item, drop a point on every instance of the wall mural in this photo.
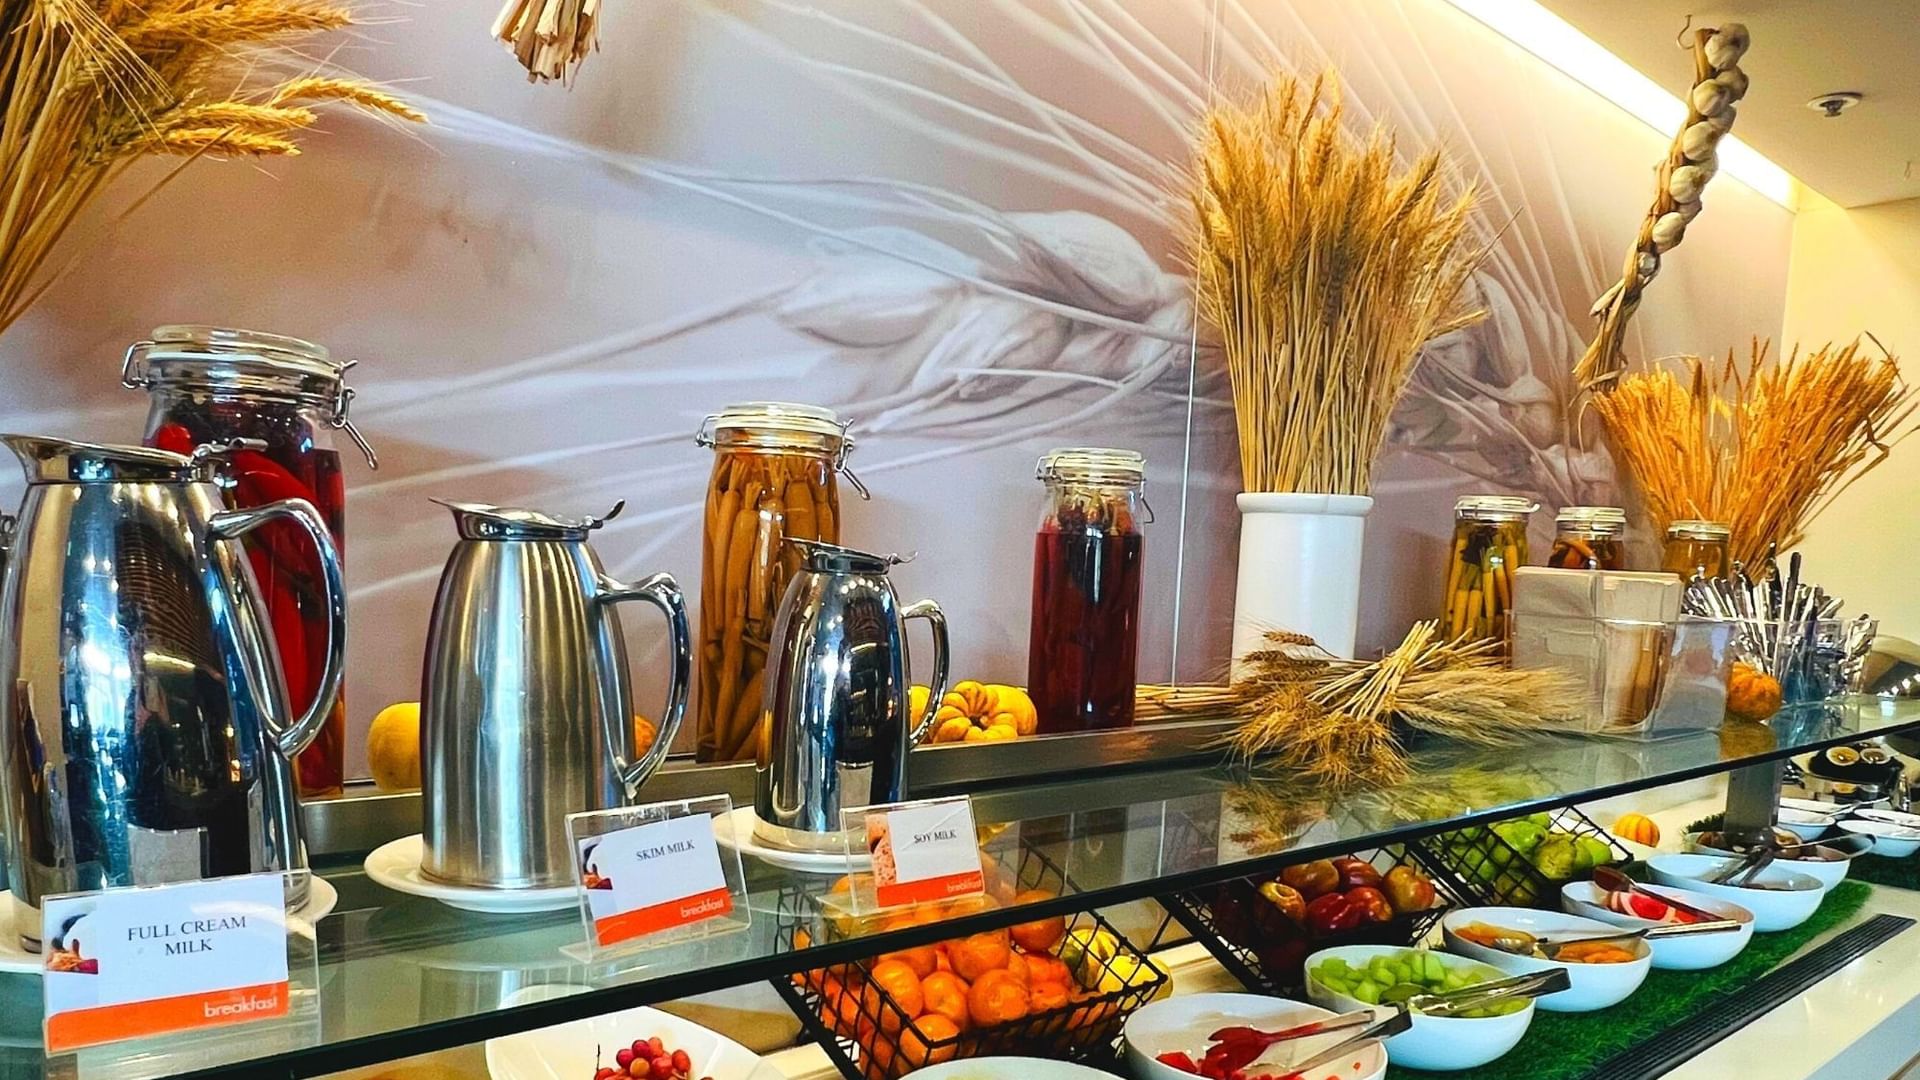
(952, 220)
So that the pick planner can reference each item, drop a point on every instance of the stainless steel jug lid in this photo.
(833, 559)
(59, 461)
(484, 521)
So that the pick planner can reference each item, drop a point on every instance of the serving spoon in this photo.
(1614, 880)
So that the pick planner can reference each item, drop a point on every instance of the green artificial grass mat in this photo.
(1880, 870)
(1566, 1046)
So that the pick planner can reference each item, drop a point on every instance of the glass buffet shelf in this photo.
(400, 975)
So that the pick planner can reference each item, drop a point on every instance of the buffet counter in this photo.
(397, 976)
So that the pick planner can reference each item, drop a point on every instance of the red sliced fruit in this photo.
(1648, 908)
(1178, 1060)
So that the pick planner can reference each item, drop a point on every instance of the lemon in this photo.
(393, 747)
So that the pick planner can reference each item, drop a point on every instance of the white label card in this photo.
(924, 851)
(127, 963)
(648, 878)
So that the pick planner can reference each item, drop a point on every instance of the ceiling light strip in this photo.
(1554, 40)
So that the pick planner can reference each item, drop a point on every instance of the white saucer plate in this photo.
(396, 865)
(806, 862)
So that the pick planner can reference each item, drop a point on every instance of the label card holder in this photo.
(921, 852)
(655, 875)
(160, 979)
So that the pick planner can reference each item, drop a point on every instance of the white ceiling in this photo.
(1801, 49)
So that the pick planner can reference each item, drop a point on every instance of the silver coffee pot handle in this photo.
(232, 525)
(937, 684)
(662, 592)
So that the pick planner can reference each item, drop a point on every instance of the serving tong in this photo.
(1234, 1048)
(1520, 943)
(1745, 868)
(1613, 880)
(1238, 1047)
(1385, 1027)
(1839, 810)
(1777, 620)
(1532, 985)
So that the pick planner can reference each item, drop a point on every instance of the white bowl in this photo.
(1812, 806)
(1891, 840)
(1183, 1024)
(1802, 823)
(1593, 986)
(1435, 1043)
(1007, 1068)
(1891, 817)
(567, 1051)
(1692, 953)
(1828, 872)
(1773, 909)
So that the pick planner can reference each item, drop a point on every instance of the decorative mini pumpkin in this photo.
(1752, 694)
(983, 712)
(1638, 828)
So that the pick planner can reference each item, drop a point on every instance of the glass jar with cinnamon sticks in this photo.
(1589, 538)
(1489, 544)
(775, 478)
(1696, 548)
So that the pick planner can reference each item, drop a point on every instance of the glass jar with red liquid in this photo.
(1086, 590)
(210, 384)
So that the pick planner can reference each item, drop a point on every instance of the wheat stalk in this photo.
(1324, 267)
(90, 85)
(1763, 446)
(1338, 722)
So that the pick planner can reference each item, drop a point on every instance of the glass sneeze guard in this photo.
(402, 975)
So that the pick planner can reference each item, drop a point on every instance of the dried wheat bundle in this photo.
(1760, 446)
(550, 37)
(1324, 266)
(1339, 722)
(90, 85)
(1718, 83)
(1191, 701)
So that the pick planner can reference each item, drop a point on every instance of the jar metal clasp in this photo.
(342, 403)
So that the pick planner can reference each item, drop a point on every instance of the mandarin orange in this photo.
(920, 1045)
(996, 998)
(946, 995)
(977, 954)
(922, 959)
(1043, 996)
(901, 985)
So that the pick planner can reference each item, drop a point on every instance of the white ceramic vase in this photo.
(1299, 569)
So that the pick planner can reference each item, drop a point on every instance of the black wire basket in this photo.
(1481, 865)
(869, 1035)
(1267, 951)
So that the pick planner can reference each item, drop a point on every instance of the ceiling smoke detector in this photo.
(1835, 103)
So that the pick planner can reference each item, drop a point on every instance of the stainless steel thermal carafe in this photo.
(144, 724)
(837, 725)
(525, 713)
